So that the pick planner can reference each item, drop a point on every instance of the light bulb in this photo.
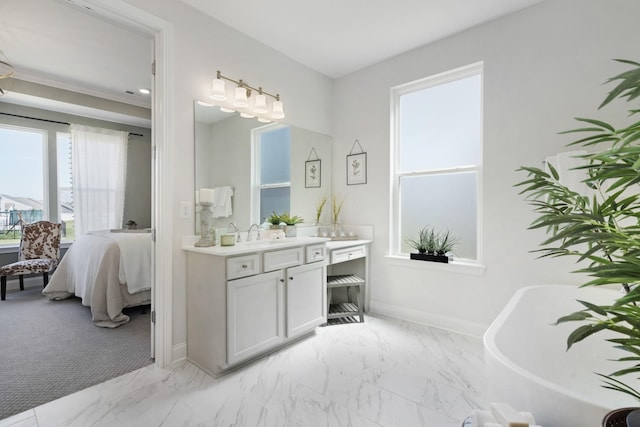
(260, 106)
(218, 91)
(241, 97)
(277, 110)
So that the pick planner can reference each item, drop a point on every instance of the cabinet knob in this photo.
(245, 266)
(317, 254)
(290, 277)
(281, 280)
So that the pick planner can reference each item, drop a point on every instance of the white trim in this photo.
(179, 352)
(162, 125)
(434, 320)
(459, 267)
(30, 282)
(394, 179)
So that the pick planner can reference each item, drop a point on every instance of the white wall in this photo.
(201, 46)
(542, 67)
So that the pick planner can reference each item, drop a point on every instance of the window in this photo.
(22, 179)
(272, 171)
(437, 162)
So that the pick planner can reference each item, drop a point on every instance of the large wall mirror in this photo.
(268, 166)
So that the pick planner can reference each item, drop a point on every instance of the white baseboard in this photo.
(29, 282)
(179, 352)
(438, 321)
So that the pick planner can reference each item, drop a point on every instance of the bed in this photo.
(108, 271)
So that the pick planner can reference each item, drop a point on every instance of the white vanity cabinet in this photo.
(255, 315)
(241, 305)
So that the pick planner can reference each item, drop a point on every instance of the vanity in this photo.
(248, 299)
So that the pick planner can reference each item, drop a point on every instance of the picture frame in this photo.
(312, 174)
(357, 168)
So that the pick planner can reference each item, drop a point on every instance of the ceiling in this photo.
(59, 44)
(62, 44)
(338, 37)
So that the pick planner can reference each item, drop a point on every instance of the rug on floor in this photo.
(50, 349)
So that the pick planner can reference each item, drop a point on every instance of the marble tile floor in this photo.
(383, 372)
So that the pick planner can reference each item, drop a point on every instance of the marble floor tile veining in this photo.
(383, 372)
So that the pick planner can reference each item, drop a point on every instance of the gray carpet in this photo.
(49, 349)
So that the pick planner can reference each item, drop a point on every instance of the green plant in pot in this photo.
(290, 223)
(602, 230)
(445, 242)
(424, 242)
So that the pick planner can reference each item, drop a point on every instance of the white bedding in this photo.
(108, 271)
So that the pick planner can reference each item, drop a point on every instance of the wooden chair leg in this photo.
(21, 279)
(3, 287)
(45, 278)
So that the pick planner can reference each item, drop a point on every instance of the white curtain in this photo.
(99, 159)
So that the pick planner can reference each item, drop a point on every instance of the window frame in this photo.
(395, 237)
(256, 185)
(46, 181)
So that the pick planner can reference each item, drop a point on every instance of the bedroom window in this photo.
(437, 159)
(22, 180)
(272, 171)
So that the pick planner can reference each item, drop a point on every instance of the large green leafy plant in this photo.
(601, 230)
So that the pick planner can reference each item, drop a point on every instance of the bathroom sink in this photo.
(265, 242)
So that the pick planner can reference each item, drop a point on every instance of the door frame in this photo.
(162, 168)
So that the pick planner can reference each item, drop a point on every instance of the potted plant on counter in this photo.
(602, 230)
(290, 228)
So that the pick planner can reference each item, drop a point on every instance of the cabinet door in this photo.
(306, 298)
(255, 315)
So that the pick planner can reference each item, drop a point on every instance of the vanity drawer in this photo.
(316, 252)
(277, 260)
(347, 254)
(243, 266)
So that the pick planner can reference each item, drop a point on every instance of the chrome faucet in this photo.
(257, 232)
(233, 228)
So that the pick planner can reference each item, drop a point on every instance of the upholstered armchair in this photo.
(39, 253)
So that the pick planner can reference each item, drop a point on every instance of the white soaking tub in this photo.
(529, 367)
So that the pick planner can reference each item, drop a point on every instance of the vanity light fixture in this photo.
(243, 100)
(6, 70)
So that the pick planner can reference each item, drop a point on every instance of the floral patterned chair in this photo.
(39, 253)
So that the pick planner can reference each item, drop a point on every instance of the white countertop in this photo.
(255, 246)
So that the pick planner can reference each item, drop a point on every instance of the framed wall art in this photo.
(356, 166)
(313, 171)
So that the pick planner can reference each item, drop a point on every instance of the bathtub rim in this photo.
(490, 346)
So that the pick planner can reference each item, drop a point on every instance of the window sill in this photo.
(13, 248)
(458, 267)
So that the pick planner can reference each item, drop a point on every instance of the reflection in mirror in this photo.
(265, 165)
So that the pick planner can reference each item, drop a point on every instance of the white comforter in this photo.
(97, 266)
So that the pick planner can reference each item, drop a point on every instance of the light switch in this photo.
(185, 210)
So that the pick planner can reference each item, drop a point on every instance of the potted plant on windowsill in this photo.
(602, 230)
(431, 245)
